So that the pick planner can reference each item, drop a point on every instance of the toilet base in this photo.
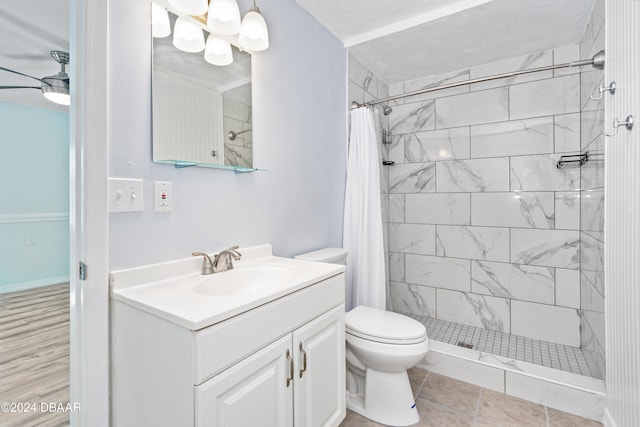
(388, 399)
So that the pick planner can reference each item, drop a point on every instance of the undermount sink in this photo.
(243, 280)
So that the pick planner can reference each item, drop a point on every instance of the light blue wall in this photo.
(34, 149)
(299, 123)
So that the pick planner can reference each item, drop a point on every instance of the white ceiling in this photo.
(405, 39)
(30, 29)
(398, 39)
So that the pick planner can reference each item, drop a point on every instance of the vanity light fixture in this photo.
(224, 17)
(190, 7)
(160, 26)
(187, 36)
(217, 51)
(253, 31)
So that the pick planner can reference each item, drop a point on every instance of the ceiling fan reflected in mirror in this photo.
(56, 87)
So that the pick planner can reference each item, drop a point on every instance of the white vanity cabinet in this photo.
(251, 393)
(295, 381)
(319, 390)
(245, 371)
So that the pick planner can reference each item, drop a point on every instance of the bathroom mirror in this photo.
(201, 112)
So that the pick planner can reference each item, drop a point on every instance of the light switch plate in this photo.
(125, 195)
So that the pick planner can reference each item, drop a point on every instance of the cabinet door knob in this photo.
(304, 360)
(290, 377)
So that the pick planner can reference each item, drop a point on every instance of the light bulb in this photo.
(218, 51)
(187, 36)
(56, 88)
(253, 31)
(224, 17)
(160, 26)
(58, 98)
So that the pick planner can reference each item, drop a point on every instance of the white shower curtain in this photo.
(362, 235)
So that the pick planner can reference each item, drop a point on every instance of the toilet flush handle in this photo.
(304, 360)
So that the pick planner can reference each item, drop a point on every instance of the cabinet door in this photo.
(319, 397)
(253, 392)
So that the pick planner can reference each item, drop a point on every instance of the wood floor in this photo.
(34, 355)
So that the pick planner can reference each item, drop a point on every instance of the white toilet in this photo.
(381, 346)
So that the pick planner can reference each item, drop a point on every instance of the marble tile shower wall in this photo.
(237, 118)
(484, 229)
(592, 195)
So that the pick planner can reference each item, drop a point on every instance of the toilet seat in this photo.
(384, 326)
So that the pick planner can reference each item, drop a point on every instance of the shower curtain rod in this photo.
(597, 61)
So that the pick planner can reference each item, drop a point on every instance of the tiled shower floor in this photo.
(543, 353)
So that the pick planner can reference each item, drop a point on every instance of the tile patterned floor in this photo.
(445, 402)
(543, 353)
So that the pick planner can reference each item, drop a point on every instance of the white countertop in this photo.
(168, 290)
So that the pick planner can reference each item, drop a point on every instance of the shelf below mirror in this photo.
(185, 164)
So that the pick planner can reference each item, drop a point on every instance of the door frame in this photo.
(89, 221)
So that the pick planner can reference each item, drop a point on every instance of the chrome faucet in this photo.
(207, 264)
(221, 262)
(224, 260)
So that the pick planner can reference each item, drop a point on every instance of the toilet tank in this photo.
(329, 255)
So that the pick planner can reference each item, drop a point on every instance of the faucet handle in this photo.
(223, 261)
(236, 255)
(207, 264)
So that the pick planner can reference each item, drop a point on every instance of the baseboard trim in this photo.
(15, 287)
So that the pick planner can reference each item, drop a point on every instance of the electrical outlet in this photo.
(163, 198)
(125, 195)
(32, 240)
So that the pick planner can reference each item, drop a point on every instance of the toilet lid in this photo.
(324, 255)
(384, 326)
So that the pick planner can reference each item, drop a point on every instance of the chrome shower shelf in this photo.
(573, 161)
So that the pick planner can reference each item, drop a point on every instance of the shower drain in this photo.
(464, 344)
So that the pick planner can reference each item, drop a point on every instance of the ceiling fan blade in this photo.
(22, 74)
(20, 87)
(28, 56)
